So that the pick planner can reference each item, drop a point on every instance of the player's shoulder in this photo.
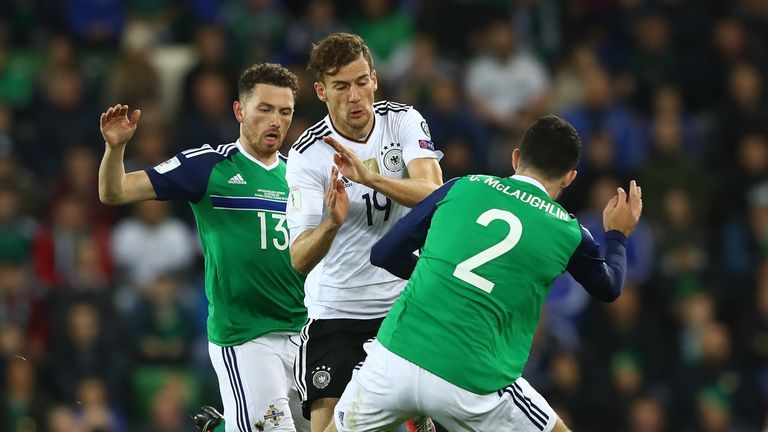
(309, 137)
(387, 107)
(198, 159)
(206, 151)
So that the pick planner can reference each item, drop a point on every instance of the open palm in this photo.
(116, 127)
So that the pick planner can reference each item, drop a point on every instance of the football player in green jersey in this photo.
(455, 343)
(238, 195)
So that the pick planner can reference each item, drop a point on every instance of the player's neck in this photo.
(552, 186)
(266, 158)
(355, 134)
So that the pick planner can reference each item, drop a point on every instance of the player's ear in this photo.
(237, 108)
(374, 80)
(568, 179)
(515, 159)
(320, 91)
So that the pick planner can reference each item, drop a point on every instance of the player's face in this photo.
(349, 96)
(265, 116)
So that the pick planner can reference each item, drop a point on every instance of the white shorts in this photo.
(257, 386)
(389, 389)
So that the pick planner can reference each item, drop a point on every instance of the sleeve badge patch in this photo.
(168, 165)
(426, 145)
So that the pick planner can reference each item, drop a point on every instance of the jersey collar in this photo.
(256, 161)
(529, 180)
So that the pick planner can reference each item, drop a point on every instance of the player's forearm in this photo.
(112, 175)
(312, 246)
(116, 187)
(407, 192)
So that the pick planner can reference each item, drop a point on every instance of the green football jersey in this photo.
(239, 207)
(492, 251)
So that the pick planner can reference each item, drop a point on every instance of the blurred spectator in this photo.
(384, 27)
(209, 119)
(318, 20)
(539, 25)
(23, 306)
(412, 69)
(167, 409)
(15, 86)
(55, 246)
(671, 167)
(163, 333)
(211, 51)
(85, 349)
(600, 113)
(506, 85)
(568, 84)
(743, 112)
(565, 393)
(96, 23)
(152, 243)
(455, 130)
(93, 412)
(654, 62)
(68, 118)
(253, 20)
(647, 415)
(23, 404)
(134, 80)
(79, 178)
(17, 230)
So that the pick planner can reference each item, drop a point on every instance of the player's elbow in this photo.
(377, 257)
(299, 263)
(109, 198)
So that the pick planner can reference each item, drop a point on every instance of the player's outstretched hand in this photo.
(116, 127)
(623, 210)
(336, 199)
(348, 162)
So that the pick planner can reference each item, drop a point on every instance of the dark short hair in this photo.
(551, 147)
(335, 51)
(266, 73)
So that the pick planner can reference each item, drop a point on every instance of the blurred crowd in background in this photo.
(102, 309)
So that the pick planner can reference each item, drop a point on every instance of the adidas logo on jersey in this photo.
(237, 179)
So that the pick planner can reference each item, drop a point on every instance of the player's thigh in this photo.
(330, 350)
(253, 385)
(380, 394)
(291, 344)
(517, 407)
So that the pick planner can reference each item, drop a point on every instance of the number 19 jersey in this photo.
(344, 284)
(492, 251)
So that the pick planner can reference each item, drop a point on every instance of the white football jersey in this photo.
(345, 284)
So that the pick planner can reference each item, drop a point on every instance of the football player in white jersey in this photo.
(388, 163)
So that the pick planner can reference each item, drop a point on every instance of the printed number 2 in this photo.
(280, 227)
(369, 211)
(464, 269)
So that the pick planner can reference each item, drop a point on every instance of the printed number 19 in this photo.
(464, 269)
(375, 201)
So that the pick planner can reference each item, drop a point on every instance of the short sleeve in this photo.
(414, 136)
(184, 176)
(306, 184)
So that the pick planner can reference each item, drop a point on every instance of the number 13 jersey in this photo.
(345, 284)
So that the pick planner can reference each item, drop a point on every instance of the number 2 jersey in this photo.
(345, 284)
(492, 248)
(239, 207)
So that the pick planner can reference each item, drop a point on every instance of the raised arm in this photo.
(312, 244)
(425, 176)
(603, 277)
(115, 186)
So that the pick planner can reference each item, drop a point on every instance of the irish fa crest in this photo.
(392, 157)
(274, 415)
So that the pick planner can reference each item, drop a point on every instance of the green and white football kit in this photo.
(255, 298)
(454, 345)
